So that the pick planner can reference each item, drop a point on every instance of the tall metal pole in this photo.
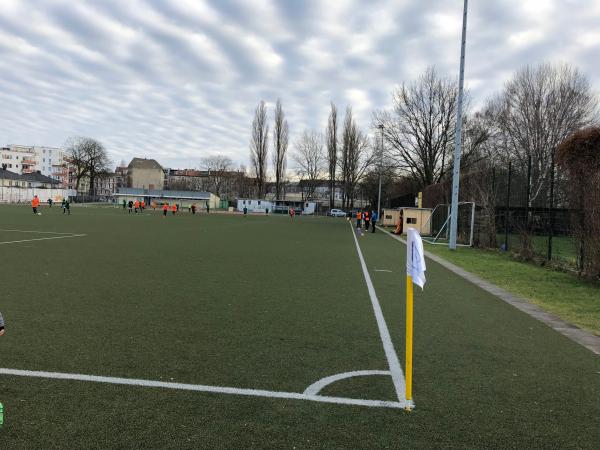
(457, 137)
(380, 126)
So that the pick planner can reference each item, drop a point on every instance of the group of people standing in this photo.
(137, 206)
(366, 218)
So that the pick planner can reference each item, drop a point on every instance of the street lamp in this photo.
(380, 126)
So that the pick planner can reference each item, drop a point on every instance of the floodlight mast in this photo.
(380, 126)
(457, 135)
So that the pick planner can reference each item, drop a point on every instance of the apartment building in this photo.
(49, 161)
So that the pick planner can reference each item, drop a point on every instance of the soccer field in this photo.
(221, 331)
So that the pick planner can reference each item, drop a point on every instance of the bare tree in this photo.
(539, 107)
(89, 158)
(98, 163)
(310, 159)
(332, 151)
(356, 158)
(219, 168)
(419, 131)
(280, 144)
(259, 147)
(75, 148)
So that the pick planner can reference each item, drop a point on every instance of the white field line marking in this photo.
(317, 386)
(43, 239)
(202, 388)
(33, 231)
(383, 270)
(388, 346)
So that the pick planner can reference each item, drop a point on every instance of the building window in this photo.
(412, 220)
(259, 203)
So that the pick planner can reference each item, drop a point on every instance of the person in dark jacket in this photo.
(374, 218)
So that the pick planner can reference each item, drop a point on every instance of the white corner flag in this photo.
(415, 257)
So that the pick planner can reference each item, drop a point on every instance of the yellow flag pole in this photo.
(409, 336)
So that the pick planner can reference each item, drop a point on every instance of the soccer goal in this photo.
(439, 223)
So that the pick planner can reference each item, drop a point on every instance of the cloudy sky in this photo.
(179, 79)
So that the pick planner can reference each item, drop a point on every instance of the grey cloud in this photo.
(180, 80)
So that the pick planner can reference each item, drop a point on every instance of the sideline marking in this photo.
(388, 346)
(203, 388)
(317, 386)
(43, 239)
(33, 231)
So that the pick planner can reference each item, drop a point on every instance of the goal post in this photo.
(440, 220)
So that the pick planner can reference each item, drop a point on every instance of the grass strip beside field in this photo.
(560, 293)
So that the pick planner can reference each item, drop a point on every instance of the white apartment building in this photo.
(49, 161)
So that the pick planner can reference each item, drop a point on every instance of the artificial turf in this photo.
(561, 293)
(261, 302)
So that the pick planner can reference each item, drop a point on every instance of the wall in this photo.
(146, 178)
(24, 195)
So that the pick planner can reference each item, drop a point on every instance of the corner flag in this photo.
(415, 258)
(415, 273)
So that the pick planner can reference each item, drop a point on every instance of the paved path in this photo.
(588, 340)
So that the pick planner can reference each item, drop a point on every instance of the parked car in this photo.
(337, 213)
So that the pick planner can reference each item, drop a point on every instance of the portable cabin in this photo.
(419, 218)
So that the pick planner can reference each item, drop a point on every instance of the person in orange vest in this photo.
(143, 205)
(35, 202)
(174, 208)
(366, 219)
(399, 224)
(136, 206)
(358, 219)
(165, 208)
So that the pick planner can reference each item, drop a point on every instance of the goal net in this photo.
(440, 224)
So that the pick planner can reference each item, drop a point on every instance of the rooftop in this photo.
(143, 163)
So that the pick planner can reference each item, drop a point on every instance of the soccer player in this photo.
(366, 217)
(130, 205)
(358, 219)
(165, 208)
(35, 202)
(143, 206)
(193, 208)
(292, 213)
(1, 325)
(136, 206)
(124, 204)
(207, 208)
(245, 211)
(174, 208)
(67, 207)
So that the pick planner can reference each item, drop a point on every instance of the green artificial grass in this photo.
(560, 293)
(265, 303)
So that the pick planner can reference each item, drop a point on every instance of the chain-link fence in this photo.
(518, 209)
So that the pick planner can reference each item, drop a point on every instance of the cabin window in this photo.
(412, 220)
